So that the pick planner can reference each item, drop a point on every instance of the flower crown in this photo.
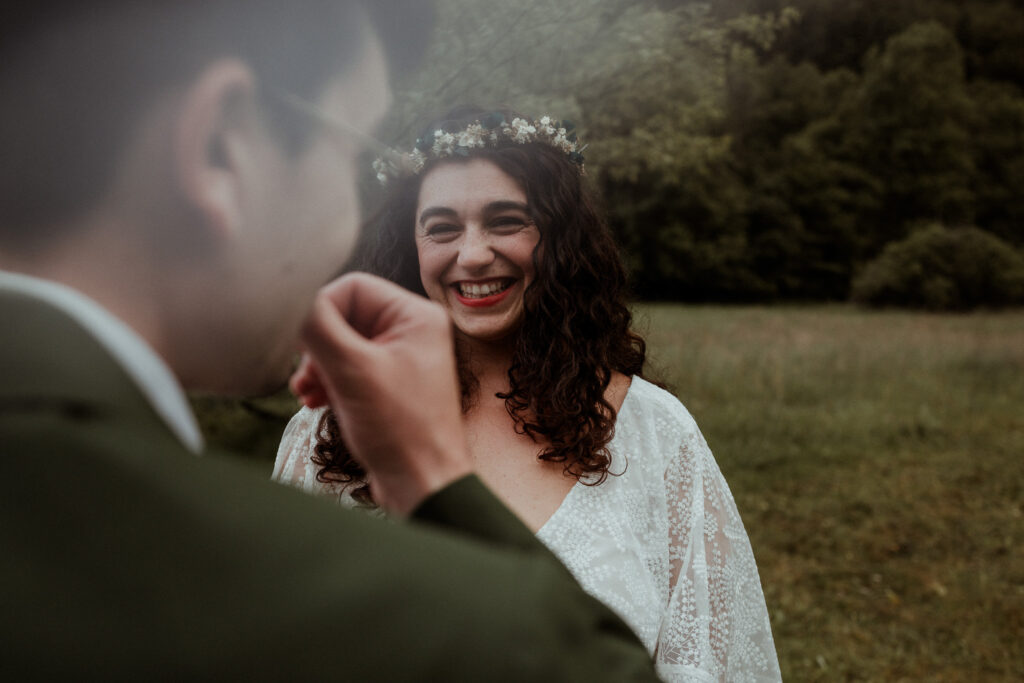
(491, 130)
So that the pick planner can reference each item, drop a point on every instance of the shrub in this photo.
(943, 269)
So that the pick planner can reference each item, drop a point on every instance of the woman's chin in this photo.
(486, 334)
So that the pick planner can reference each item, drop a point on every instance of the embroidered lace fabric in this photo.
(662, 544)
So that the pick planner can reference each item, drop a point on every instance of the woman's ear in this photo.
(212, 144)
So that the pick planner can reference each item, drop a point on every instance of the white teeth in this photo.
(472, 290)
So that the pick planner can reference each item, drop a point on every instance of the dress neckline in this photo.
(627, 401)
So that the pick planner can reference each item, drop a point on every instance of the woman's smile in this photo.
(484, 292)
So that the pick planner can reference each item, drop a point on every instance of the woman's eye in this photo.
(509, 223)
(442, 231)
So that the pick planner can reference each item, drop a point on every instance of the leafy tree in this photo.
(756, 149)
(908, 124)
(998, 141)
(942, 269)
(992, 34)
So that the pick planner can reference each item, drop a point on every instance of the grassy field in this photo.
(878, 461)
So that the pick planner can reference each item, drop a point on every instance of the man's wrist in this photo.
(403, 492)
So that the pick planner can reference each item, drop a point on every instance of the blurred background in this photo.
(821, 203)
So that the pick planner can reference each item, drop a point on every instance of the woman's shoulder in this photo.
(655, 403)
(654, 427)
(305, 419)
(292, 464)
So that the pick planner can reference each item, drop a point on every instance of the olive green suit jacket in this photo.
(123, 556)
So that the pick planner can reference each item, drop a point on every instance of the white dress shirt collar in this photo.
(132, 353)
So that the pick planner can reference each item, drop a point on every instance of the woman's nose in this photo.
(475, 250)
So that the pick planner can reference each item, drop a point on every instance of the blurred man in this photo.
(167, 212)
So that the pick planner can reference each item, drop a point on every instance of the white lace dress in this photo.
(662, 544)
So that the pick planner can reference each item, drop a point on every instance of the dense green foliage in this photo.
(758, 149)
(941, 270)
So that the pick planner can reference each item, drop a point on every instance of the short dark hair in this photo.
(75, 75)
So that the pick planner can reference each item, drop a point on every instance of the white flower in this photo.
(417, 160)
(382, 168)
(522, 131)
(473, 136)
(444, 143)
(546, 127)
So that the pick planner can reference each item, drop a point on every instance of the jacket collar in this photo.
(58, 343)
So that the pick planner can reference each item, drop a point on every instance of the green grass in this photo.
(876, 458)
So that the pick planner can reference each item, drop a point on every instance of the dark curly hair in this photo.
(576, 329)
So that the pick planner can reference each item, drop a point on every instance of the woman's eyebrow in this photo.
(493, 207)
(506, 205)
(432, 211)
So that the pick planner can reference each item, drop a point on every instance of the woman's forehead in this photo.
(471, 183)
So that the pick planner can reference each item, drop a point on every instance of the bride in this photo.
(490, 218)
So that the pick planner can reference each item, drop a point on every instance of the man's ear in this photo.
(210, 150)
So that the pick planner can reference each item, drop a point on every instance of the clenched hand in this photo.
(383, 359)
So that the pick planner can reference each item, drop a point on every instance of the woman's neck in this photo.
(487, 361)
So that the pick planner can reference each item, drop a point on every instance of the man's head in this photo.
(151, 155)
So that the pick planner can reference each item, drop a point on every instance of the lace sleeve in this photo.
(716, 627)
(293, 465)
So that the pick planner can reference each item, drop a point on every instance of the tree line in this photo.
(766, 150)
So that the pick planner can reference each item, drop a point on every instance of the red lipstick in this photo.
(483, 301)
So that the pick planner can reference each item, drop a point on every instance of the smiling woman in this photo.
(490, 218)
